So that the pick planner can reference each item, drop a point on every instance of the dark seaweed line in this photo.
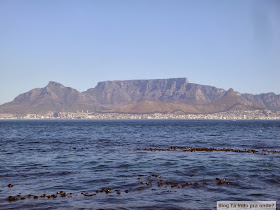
(206, 149)
(153, 182)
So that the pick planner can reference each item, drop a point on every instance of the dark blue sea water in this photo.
(105, 164)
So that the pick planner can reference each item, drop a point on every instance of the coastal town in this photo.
(230, 115)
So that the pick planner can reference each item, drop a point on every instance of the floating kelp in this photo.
(206, 149)
(153, 182)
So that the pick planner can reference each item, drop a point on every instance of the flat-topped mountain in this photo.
(176, 90)
(165, 95)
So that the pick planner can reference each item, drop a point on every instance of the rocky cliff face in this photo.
(131, 91)
(177, 90)
(202, 94)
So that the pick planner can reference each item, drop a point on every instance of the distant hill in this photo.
(54, 97)
(269, 100)
(165, 95)
(234, 101)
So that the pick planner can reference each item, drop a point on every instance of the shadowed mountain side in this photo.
(230, 101)
(53, 97)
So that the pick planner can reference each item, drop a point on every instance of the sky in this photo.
(223, 43)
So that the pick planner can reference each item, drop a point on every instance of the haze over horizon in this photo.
(227, 44)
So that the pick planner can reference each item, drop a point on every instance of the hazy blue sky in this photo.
(225, 43)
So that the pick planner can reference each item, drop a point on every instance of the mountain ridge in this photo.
(110, 95)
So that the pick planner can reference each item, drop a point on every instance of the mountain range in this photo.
(175, 95)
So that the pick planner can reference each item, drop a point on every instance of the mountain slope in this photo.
(230, 101)
(147, 107)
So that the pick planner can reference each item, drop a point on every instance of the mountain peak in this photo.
(231, 92)
(54, 84)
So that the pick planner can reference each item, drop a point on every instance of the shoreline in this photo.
(231, 115)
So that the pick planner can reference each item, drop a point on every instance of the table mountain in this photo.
(175, 90)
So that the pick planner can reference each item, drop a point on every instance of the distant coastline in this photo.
(230, 115)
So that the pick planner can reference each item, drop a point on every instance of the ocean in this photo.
(137, 164)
